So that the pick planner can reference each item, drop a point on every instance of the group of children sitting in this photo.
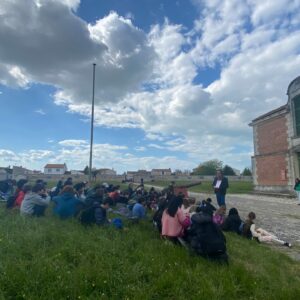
(198, 226)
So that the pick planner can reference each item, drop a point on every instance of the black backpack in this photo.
(207, 239)
(157, 219)
(11, 201)
(87, 216)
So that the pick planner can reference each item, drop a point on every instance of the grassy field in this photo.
(51, 259)
(235, 187)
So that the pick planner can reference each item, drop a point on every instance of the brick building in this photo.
(276, 137)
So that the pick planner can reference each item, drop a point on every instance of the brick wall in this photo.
(271, 170)
(272, 136)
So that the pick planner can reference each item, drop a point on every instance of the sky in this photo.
(177, 82)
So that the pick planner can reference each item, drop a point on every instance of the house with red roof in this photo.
(55, 169)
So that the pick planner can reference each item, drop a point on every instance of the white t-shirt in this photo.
(218, 183)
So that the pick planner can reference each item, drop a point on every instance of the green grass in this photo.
(235, 187)
(51, 259)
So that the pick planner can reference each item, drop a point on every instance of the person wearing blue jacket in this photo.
(66, 204)
(138, 210)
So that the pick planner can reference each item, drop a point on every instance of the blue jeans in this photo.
(220, 199)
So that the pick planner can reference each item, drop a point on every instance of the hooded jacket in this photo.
(205, 237)
(30, 200)
(66, 205)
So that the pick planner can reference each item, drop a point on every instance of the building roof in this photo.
(55, 166)
(161, 170)
(292, 82)
(282, 108)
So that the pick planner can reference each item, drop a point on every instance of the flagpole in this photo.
(92, 126)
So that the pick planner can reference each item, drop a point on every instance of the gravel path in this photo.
(280, 216)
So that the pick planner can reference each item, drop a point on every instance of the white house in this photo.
(161, 172)
(55, 169)
(107, 172)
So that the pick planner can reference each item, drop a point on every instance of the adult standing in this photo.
(220, 185)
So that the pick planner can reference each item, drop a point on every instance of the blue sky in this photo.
(177, 82)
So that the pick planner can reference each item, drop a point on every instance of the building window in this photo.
(297, 114)
(49, 170)
(57, 170)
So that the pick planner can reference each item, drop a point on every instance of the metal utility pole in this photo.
(92, 126)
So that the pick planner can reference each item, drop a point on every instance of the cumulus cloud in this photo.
(150, 80)
(104, 156)
(46, 42)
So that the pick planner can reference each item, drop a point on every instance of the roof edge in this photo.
(270, 113)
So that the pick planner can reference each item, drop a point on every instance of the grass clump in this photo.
(47, 258)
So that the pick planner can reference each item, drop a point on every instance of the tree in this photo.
(247, 172)
(86, 170)
(228, 171)
(208, 167)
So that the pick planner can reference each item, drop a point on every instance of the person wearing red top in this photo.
(21, 195)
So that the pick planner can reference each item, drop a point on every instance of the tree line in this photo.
(209, 168)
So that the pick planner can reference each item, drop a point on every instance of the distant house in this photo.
(5, 173)
(143, 173)
(106, 172)
(55, 169)
(182, 173)
(20, 172)
(161, 172)
(139, 173)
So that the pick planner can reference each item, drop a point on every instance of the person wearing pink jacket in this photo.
(174, 220)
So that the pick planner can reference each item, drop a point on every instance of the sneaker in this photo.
(287, 244)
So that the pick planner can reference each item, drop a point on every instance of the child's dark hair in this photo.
(27, 188)
(105, 201)
(251, 215)
(174, 204)
(38, 187)
(141, 200)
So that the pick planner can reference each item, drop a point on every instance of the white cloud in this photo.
(40, 111)
(73, 143)
(147, 80)
(155, 146)
(140, 149)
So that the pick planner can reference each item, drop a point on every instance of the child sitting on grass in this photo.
(66, 204)
(35, 202)
(233, 221)
(219, 216)
(139, 210)
(174, 221)
(250, 231)
(95, 213)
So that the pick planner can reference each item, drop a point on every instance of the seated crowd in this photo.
(177, 218)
